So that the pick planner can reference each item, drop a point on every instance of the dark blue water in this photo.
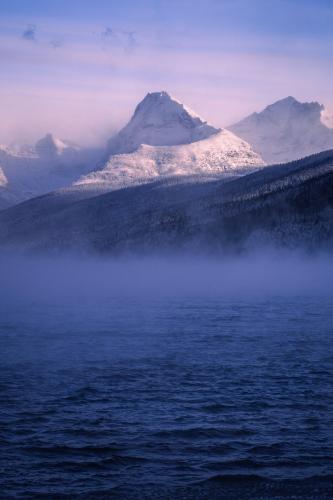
(138, 398)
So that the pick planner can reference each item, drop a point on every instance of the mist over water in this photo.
(74, 277)
(166, 377)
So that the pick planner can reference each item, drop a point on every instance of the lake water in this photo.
(167, 398)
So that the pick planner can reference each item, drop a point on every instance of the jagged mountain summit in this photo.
(160, 120)
(164, 138)
(287, 130)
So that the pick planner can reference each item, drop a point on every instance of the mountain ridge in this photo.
(285, 205)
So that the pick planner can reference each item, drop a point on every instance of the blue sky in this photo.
(79, 67)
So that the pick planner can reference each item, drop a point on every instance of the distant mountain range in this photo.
(162, 138)
(169, 179)
(165, 138)
(287, 130)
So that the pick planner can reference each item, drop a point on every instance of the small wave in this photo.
(217, 407)
(270, 448)
(242, 463)
(257, 478)
(99, 463)
(81, 394)
(70, 450)
(234, 478)
(202, 433)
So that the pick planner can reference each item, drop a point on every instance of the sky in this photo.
(78, 68)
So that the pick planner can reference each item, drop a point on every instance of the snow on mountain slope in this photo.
(3, 178)
(287, 130)
(327, 118)
(164, 138)
(222, 152)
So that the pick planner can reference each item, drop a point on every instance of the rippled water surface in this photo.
(120, 395)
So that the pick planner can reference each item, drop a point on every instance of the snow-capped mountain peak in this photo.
(34, 170)
(285, 110)
(50, 146)
(290, 108)
(159, 108)
(160, 120)
(286, 130)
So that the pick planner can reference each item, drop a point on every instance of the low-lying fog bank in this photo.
(75, 278)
